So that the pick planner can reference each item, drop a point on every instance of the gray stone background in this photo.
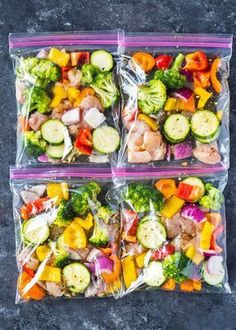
(148, 310)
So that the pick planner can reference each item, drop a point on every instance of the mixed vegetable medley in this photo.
(170, 235)
(65, 101)
(170, 107)
(69, 241)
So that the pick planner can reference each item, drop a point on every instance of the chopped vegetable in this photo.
(194, 255)
(34, 144)
(79, 58)
(89, 72)
(129, 271)
(100, 233)
(167, 187)
(50, 274)
(152, 97)
(214, 80)
(154, 274)
(172, 78)
(202, 79)
(186, 285)
(102, 59)
(86, 223)
(213, 198)
(163, 61)
(36, 98)
(105, 139)
(163, 252)
(84, 141)
(183, 93)
(140, 259)
(196, 61)
(182, 150)
(33, 291)
(143, 197)
(173, 265)
(105, 213)
(205, 239)
(42, 251)
(145, 60)
(151, 233)
(172, 206)
(74, 236)
(59, 94)
(65, 214)
(192, 212)
(58, 57)
(169, 285)
(204, 96)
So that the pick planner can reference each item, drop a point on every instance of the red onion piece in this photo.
(192, 212)
(103, 265)
(182, 150)
(210, 253)
(214, 265)
(90, 266)
(43, 158)
(187, 74)
(183, 93)
(94, 253)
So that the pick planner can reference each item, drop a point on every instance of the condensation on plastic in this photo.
(28, 178)
(133, 249)
(28, 44)
(131, 76)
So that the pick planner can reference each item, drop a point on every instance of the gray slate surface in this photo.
(150, 310)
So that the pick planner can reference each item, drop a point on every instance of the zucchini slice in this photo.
(151, 233)
(53, 131)
(76, 277)
(204, 124)
(213, 279)
(176, 128)
(35, 230)
(106, 139)
(102, 60)
(210, 138)
(153, 274)
(56, 152)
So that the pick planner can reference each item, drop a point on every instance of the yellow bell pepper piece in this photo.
(73, 94)
(204, 96)
(149, 121)
(194, 255)
(86, 223)
(65, 190)
(219, 114)
(140, 260)
(171, 104)
(59, 93)
(129, 271)
(74, 236)
(205, 239)
(172, 206)
(58, 57)
(50, 274)
(42, 251)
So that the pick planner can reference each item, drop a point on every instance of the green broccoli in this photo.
(172, 78)
(213, 199)
(105, 213)
(61, 255)
(89, 72)
(143, 197)
(105, 87)
(152, 97)
(65, 214)
(174, 265)
(34, 144)
(38, 71)
(100, 236)
(85, 198)
(36, 99)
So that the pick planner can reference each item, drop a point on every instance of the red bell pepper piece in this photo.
(217, 232)
(28, 270)
(184, 190)
(130, 222)
(163, 252)
(79, 58)
(33, 208)
(64, 72)
(196, 61)
(83, 141)
(202, 79)
(163, 61)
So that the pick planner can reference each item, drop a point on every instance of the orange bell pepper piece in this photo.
(24, 124)
(197, 285)
(35, 292)
(107, 251)
(169, 285)
(214, 80)
(202, 79)
(85, 92)
(186, 285)
(214, 218)
(112, 277)
(145, 60)
(167, 187)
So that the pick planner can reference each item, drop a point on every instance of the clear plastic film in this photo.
(67, 97)
(175, 100)
(67, 234)
(173, 233)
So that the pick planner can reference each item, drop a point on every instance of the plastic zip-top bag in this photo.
(173, 230)
(175, 100)
(67, 97)
(67, 233)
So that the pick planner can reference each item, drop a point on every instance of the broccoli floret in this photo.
(34, 144)
(85, 198)
(174, 265)
(65, 214)
(172, 78)
(143, 197)
(89, 72)
(61, 255)
(100, 236)
(105, 87)
(105, 213)
(39, 71)
(213, 199)
(36, 99)
(152, 97)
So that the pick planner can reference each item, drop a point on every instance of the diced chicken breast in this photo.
(28, 196)
(20, 87)
(71, 117)
(36, 120)
(187, 226)
(93, 117)
(91, 101)
(207, 153)
(74, 77)
(172, 225)
(154, 145)
(139, 157)
(42, 54)
(134, 141)
(55, 289)
(137, 125)
(39, 189)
